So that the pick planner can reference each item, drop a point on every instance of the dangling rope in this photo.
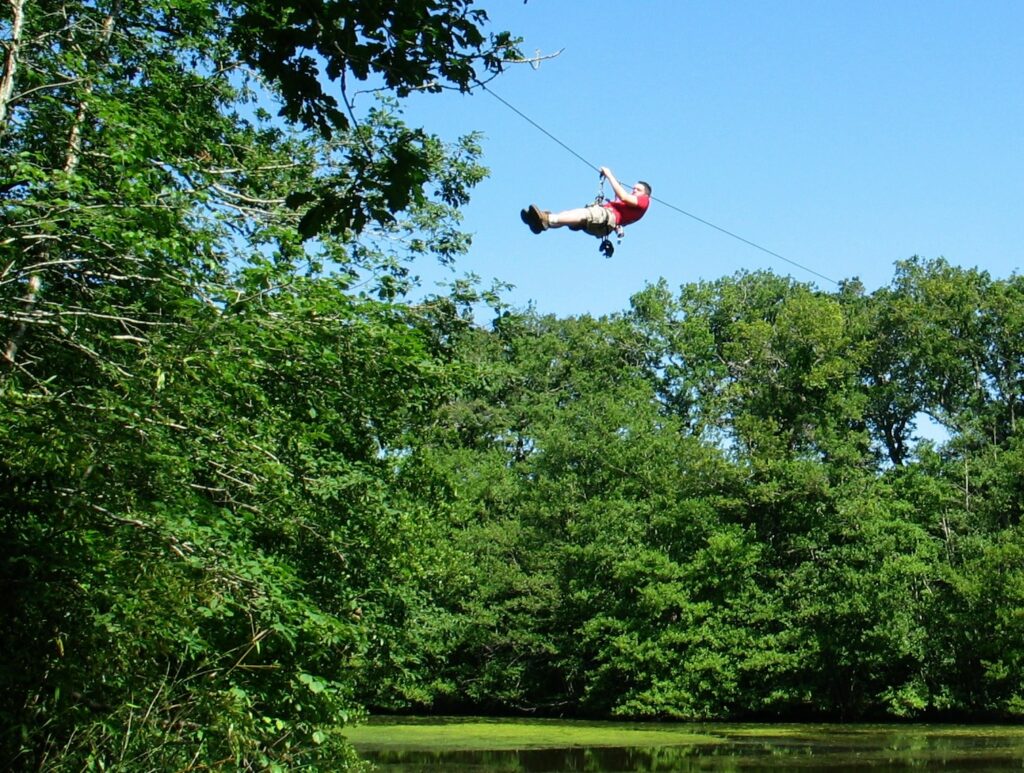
(701, 220)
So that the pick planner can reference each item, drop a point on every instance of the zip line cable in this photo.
(701, 220)
(747, 241)
(536, 125)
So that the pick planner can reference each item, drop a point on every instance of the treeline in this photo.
(249, 488)
(716, 506)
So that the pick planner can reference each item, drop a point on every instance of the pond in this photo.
(480, 745)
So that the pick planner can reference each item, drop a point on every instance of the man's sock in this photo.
(553, 219)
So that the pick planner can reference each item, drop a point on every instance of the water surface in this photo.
(479, 745)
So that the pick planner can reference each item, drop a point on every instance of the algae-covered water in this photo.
(477, 745)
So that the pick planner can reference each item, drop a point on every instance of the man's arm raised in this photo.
(620, 192)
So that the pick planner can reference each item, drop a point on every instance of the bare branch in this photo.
(535, 60)
(241, 197)
(58, 85)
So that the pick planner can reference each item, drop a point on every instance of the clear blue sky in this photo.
(843, 136)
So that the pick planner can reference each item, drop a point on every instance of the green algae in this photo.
(461, 734)
(479, 745)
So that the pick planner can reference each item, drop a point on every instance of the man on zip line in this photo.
(598, 219)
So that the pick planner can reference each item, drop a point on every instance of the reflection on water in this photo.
(747, 748)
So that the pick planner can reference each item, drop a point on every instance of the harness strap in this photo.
(600, 190)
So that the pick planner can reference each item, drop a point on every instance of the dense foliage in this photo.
(248, 488)
(715, 505)
(203, 379)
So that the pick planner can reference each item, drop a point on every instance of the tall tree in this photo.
(198, 412)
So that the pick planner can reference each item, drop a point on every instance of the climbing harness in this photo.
(599, 199)
(605, 247)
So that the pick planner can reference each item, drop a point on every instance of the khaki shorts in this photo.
(600, 220)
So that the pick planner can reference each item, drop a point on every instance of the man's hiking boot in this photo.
(538, 216)
(526, 216)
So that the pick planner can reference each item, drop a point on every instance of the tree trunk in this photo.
(12, 48)
(73, 150)
(75, 137)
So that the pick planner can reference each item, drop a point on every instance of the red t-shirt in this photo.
(628, 213)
